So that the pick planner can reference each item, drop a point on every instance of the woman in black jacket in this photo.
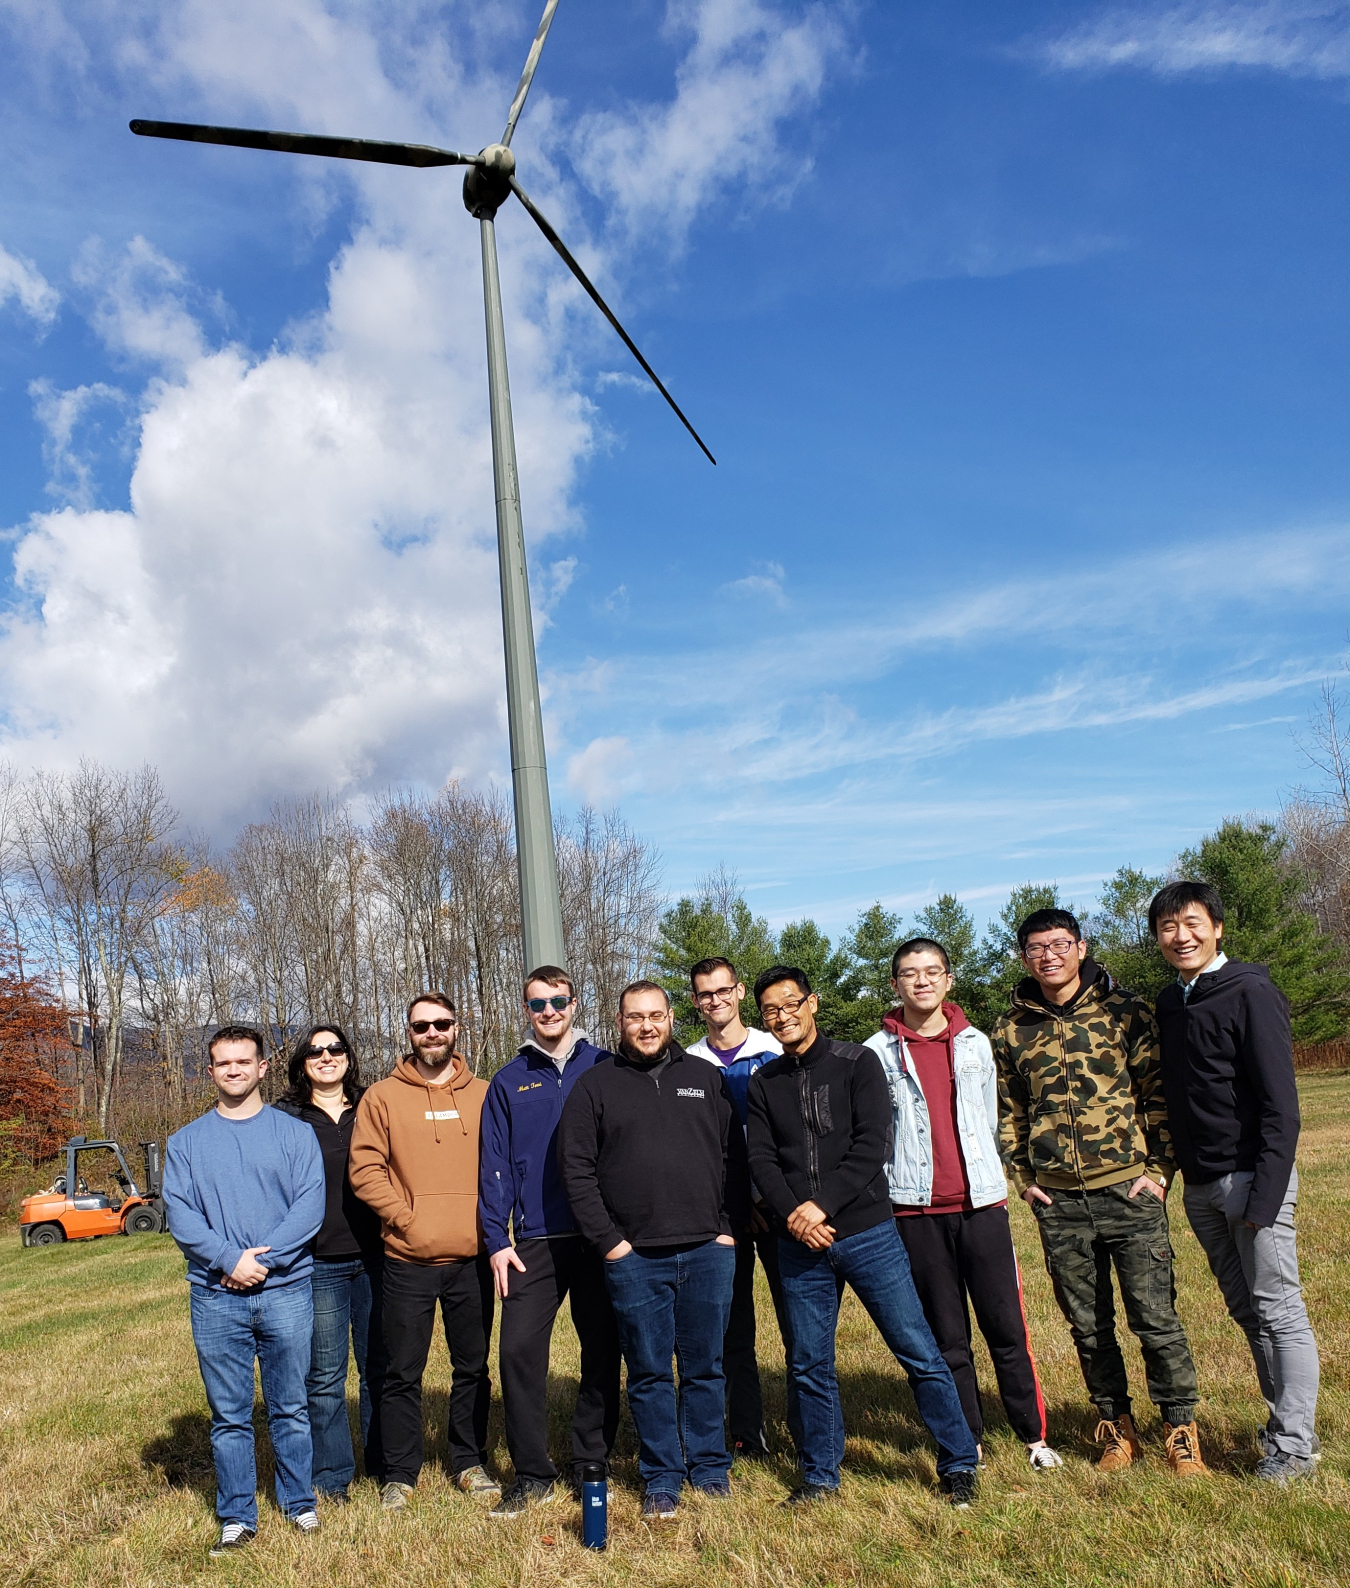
(348, 1266)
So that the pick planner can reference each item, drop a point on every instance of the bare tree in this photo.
(95, 848)
(611, 908)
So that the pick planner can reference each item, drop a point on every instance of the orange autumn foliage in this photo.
(34, 1106)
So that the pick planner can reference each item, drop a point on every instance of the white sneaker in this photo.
(306, 1521)
(1043, 1459)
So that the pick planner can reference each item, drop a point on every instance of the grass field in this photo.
(105, 1472)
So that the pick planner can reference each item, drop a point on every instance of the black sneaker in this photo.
(233, 1536)
(959, 1487)
(522, 1494)
(809, 1494)
(713, 1491)
(660, 1508)
(755, 1448)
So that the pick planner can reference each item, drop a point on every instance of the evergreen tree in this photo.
(947, 921)
(1000, 964)
(703, 928)
(803, 944)
(1263, 923)
(867, 983)
(1120, 937)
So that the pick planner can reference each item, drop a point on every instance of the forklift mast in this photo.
(154, 1170)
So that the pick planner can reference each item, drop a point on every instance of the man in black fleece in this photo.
(653, 1162)
(1232, 1103)
(820, 1123)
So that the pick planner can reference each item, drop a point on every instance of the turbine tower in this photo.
(489, 181)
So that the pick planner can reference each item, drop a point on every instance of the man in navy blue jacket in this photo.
(1232, 1108)
(519, 1182)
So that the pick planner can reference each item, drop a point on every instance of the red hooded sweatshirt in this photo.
(932, 1058)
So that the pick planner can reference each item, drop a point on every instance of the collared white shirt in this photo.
(1217, 963)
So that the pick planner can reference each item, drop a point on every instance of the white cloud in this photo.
(303, 589)
(746, 70)
(21, 280)
(1301, 40)
(766, 585)
(603, 771)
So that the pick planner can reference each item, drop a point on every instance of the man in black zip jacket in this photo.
(1232, 1103)
(820, 1122)
(652, 1160)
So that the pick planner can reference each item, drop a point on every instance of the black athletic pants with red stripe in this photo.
(962, 1261)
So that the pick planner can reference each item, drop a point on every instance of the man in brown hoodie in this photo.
(414, 1159)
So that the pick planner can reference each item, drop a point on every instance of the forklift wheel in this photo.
(143, 1221)
(47, 1235)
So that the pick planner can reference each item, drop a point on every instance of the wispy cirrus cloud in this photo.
(1299, 40)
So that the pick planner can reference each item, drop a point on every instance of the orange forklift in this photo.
(69, 1211)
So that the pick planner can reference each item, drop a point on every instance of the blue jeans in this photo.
(230, 1328)
(347, 1303)
(876, 1264)
(675, 1302)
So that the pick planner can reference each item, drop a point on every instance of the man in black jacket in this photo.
(653, 1163)
(820, 1122)
(1232, 1104)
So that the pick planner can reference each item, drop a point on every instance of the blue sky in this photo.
(1020, 334)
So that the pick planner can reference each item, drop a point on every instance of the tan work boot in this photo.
(1122, 1443)
(1182, 1446)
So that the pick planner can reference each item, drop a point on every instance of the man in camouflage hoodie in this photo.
(1083, 1131)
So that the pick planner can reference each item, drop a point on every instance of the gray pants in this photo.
(1257, 1272)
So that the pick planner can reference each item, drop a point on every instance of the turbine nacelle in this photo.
(487, 184)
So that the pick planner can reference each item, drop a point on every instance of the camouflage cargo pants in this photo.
(1085, 1234)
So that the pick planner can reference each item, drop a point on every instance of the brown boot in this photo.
(1122, 1443)
(1182, 1445)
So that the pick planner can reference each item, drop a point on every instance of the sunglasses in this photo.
(320, 1048)
(421, 1027)
(559, 1002)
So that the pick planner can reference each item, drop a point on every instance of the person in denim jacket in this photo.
(948, 1192)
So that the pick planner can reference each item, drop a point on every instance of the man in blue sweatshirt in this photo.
(244, 1193)
(519, 1184)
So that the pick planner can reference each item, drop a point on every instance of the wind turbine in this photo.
(488, 183)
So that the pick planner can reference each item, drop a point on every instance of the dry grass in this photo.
(105, 1474)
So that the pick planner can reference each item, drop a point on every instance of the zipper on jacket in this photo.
(812, 1152)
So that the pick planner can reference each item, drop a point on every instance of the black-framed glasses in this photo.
(777, 1011)
(559, 1001)
(420, 1028)
(715, 995)
(1061, 948)
(337, 1049)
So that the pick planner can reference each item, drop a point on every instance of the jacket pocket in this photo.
(820, 1110)
(444, 1225)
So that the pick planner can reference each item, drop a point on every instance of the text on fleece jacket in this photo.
(1081, 1100)
(653, 1159)
(518, 1178)
(414, 1159)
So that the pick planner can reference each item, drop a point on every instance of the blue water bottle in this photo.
(594, 1505)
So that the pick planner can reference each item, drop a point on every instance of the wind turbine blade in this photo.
(420, 154)
(565, 255)
(527, 76)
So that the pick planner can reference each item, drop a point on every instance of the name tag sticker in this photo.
(442, 1113)
(689, 1091)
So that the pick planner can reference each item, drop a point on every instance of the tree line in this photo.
(125, 938)
(137, 938)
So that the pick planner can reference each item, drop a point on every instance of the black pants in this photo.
(411, 1291)
(565, 1266)
(964, 1260)
(745, 1402)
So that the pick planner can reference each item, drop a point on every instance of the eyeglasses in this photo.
(559, 1002)
(715, 995)
(420, 1028)
(913, 978)
(645, 1019)
(337, 1049)
(1059, 949)
(781, 1011)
